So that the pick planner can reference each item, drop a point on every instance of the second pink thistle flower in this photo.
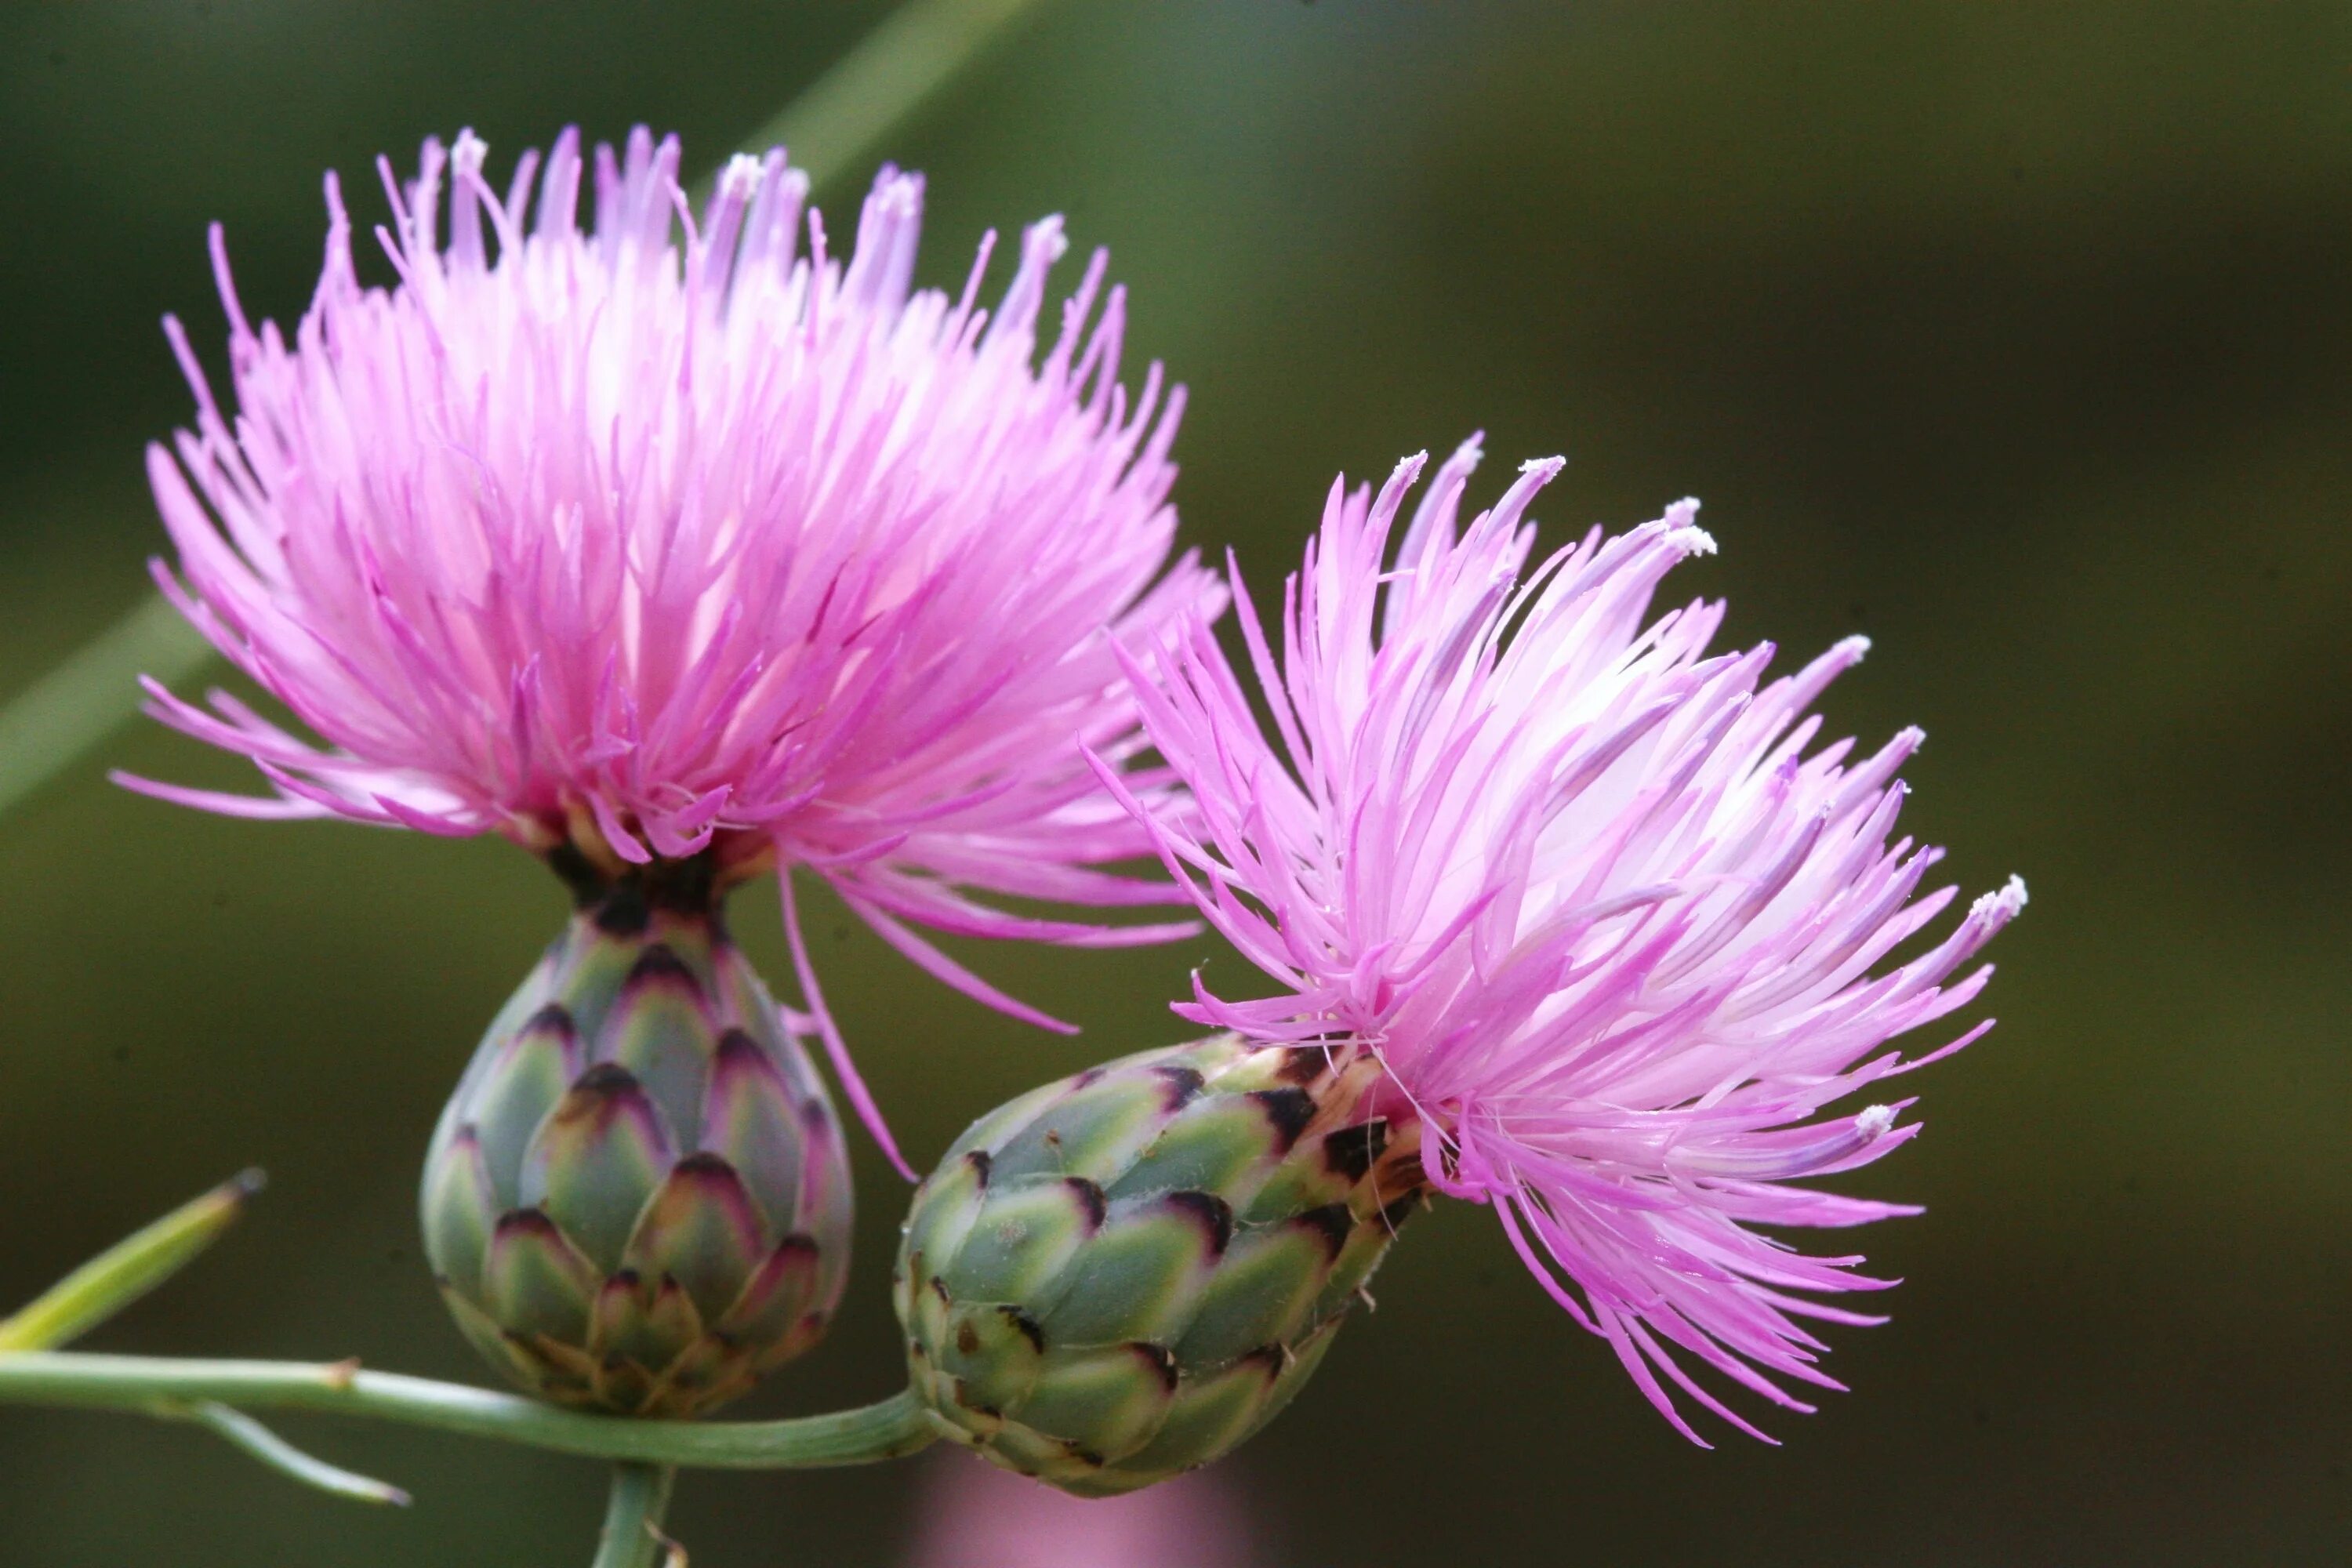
(1565, 915)
(1579, 888)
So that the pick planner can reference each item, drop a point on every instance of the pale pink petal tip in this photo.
(974, 1515)
(600, 510)
(1620, 932)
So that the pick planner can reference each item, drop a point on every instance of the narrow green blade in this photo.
(127, 1270)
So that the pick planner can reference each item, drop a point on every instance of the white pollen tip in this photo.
(1043, 240)
(1852, 649)
(1876, 1122)
(1691, 541)
(2003, 904)
(1547, 466)
(466, 156)
(742, 176)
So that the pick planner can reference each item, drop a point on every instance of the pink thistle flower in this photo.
(977, 1516)
(656, 546)
(1612, 934)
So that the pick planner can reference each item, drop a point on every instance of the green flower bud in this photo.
(1120, 1276)
(638, 1199)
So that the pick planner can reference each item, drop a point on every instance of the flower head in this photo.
(1611, 925)
(664, 537)
(977, 1516)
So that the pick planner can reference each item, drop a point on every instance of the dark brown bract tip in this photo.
(1350, 1151)
(1303, 1064)
(605, 1079)
(737, 1042)
(578, 872)
(1332, 1224)
(554, 1018)
(1288, 1112)
(623, 911)
(659, 964)
(1395, 1214)
(705, 1167)
(1182, 1087)
(1214, 1215)
(1269, 1359)
(1030, 1328)
(531, 1221)
(1092, 1201)
(1161, 1363)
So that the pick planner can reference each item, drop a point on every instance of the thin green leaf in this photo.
(244, 1433)
(127, 1270)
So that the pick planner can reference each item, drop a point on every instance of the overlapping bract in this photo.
(1608, 927)
(680, 544)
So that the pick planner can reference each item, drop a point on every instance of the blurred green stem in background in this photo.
(840, 121)
(830, 129)
(127, 1270)
(69, 712)
(632, 1533)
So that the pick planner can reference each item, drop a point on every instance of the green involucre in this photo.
(638, 1200)
(1120, 1276)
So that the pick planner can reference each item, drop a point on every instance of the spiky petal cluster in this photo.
(662, 542)
(1613, 933)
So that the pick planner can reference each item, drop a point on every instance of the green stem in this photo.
(632, 1516)
(75, 1380)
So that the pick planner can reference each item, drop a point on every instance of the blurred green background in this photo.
(2016, 337)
